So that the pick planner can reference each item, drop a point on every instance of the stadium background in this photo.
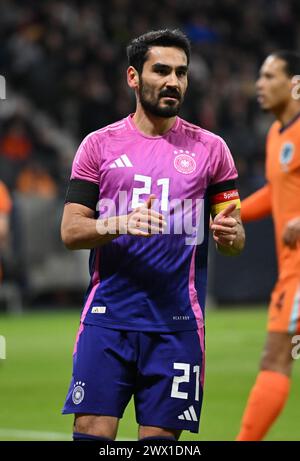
(64, 63)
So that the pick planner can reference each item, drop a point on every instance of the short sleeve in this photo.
(86, 164)
(222, 163)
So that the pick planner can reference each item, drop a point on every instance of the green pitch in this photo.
(35, 376)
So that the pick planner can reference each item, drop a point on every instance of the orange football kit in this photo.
(281, 198)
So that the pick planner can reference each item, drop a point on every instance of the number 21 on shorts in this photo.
(185, 378)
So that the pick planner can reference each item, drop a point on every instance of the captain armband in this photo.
(223, 194)
(83, 192)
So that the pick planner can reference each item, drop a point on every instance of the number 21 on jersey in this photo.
(145, 189)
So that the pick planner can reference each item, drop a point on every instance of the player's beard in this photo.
(150, 102)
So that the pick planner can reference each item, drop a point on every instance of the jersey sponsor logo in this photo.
(286, 154)
(189, 414)
(121, 162)
(78, 392)
(98, 310)
(184, 163)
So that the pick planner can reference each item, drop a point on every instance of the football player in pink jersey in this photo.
(141, 194)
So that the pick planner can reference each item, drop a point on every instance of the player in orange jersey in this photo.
(5, 208)
(278, 93)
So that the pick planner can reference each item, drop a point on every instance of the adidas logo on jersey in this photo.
(121, 162)
(189, 414)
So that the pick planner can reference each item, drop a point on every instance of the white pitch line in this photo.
(34, 435)
(40, 435)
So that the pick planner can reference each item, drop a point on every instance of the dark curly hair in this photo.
(291, 59)
(138, 48)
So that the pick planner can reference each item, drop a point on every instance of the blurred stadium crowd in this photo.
(65, 61)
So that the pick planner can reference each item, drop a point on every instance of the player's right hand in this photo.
(291, 234)
(143, 221)
(225, 226)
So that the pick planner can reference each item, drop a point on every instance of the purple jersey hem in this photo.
(160, 328)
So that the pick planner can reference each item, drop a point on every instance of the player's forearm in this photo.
(237, 245)
(4, 229)
(257, 205)
(87, 233)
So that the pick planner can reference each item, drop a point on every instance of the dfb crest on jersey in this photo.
(78, 392)
(286, 154)
(184, 162)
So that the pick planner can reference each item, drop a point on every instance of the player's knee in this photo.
(283, 367)
(276, 359)
(149, 432)
(102, 426)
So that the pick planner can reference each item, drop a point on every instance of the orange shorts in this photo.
(284, 309)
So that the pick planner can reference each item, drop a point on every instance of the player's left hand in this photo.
(291, 233)
(225, 227)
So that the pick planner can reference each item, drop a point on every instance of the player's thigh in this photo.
(284, 309)
(104, 373)
(170, 382)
